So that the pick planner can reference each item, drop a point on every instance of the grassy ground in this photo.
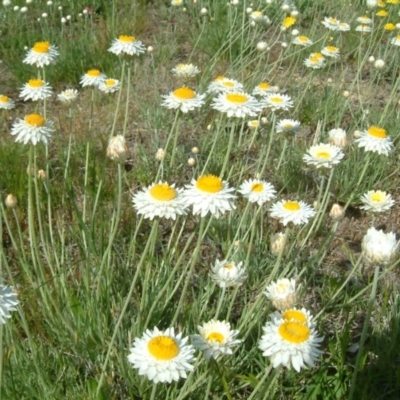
(91, 274)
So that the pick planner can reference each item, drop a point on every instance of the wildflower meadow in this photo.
(199, 199)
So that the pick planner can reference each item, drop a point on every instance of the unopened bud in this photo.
(11, 201)
(337, 212)
(117, 149)
(278, 243)
(191, 162)
(41, 174)
(195, 150)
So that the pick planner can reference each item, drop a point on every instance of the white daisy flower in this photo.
(379, 248)
(8, 301)
(364, 20)
(162, 356)
(343, 27)
(35, 89)
(290, 343)
(33, 128)
(68, 96)
(302, 41)
(185, 71)
(109, 85)
(296, 212)
(183, 98)
(41, 54)
(176, 3)
(375, 139)
(323, 155)
(257, 191)
(253, 124)
(236, 104)
(363, 28)
(376, 201)
(338, 137)
(117, 149)
(216, 338)
(331, 51)
(263, 89)
(331, 23)
(209, 194)
(228, 274)
(6, 103)
(282, 293)
(221, 84)
(287, 125)
(256, 16)
(160, 200)
(277, 101)
(127, 45)
(395, 41)
(93, 77)
(315, 61)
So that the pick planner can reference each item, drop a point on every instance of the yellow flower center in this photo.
(126, 39)
(219, 78)
(184, 93)
(163, 192)
(209, 184)
(254, 124)
(34, 120)
(3, 99)
(294, 332)
(288, 125)
(323, 154)
(390, 27)
(229, 266)
(282, 288)
(236, 98)
(94, 73)
(378, 197)
(35, 83)
(331, 49)
(41, 47)
(296, 315)
(276, 99)
(288, 22)
(264, 86)
(364, 19)
(303, 39)
(257, 187)
(377, 132)
(163, 348)
(110, 82)
(333, 20)
(181, 66)
(216, 337)
(228, 84)
(291, 206)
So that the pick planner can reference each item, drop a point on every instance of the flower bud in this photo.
(11, 201)
(117, 149)
(337, 212)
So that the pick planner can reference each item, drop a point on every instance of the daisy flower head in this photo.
(257, 191)
(160, 200)
(364, 20)
(302, 41)
(8, 301)
(382, 13)
(278, 243)
(185, 71)
(375, 139)
(395, 41)
(315, 61)
(253, 124)
(323, 155)
(296, 212)
(221, 84)
(331, 23)
(6, 103)
(287, 125)
(228, 274)
(277, 101)
(256, 16)
(209, 194)
(363, 28)
(176, 3)
(41, 54)
(282, 293)
(109, 85)
(343, 27)
(127, 45)
(162, 356)
(33, 128)
(376, 201)
(290, 343)
(35, 89)
(68, 96)
(338, 137)
(389, 26)
(236, 104)
(331, 51)
(117, 149)
(379, 248)
(93, 77)
(263, 89)
(184, 99)
(216, 338)
(372, 3)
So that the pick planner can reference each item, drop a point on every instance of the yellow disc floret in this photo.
(291, 206)
(184, 93)
(209, 184)
(163, 192)
(35, 83)
(294, 332)
(216, 337)
(377, 132)
(41, 47)
(126, 39)
(34, 120)
(236, 98)
(163, 348)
